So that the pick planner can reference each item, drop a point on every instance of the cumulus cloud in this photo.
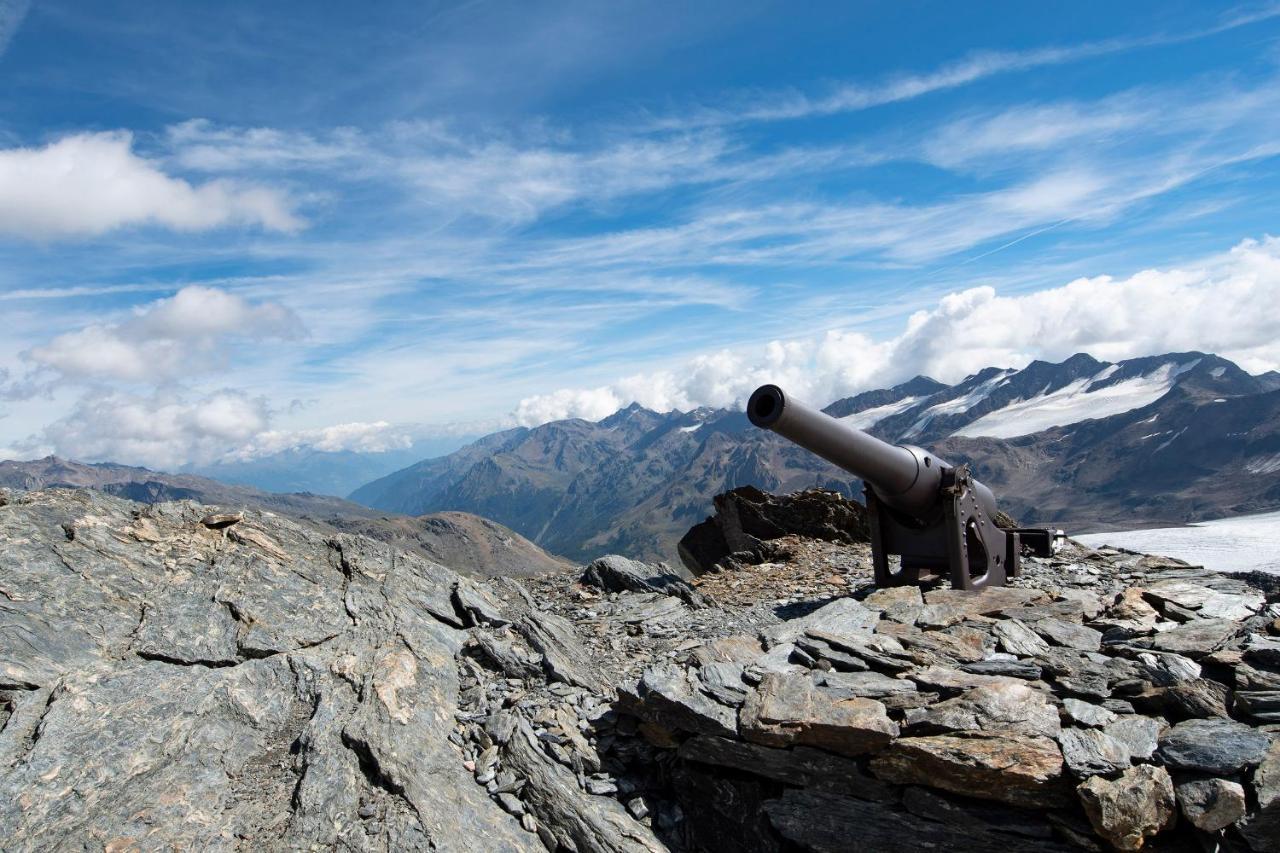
(166, 339)
(91, 183)
(161, 430)
(1217, 306)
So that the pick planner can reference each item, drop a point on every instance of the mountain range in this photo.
(324, 472)
(1084, 444)
(462, 541)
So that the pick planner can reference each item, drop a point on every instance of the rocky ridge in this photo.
(466, 543)
(172, 676)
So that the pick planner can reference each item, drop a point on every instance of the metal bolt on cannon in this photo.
(933, 515)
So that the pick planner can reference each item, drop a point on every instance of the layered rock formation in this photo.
(176, 677)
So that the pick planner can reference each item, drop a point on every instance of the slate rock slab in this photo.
(995, 707)
(1068, 634)
(1262, 706)
(826, 823)
(1196, 638)
(1086, 713)
(1204, 602)
(844, 616)
(670, 697)
(1010, 668)
(1220, 747)
(1089, 752)
(897, 603)
(1017, 639)
(802, 766)
(613, 573)
(791, 709)
(1019, 770)
(1199, 697)
(1140, 734)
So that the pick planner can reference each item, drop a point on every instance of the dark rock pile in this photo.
(1107, 700)
(174, 677)
(747, 520)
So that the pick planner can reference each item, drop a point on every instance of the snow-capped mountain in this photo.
(1085, 443)
(1001, 403)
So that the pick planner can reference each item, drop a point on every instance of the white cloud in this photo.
(162, 430)
(1215, 306)
(184, 334)
(91, 183)
(376, 437)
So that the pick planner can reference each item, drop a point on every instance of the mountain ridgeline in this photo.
(1084, 443)
(464, 542)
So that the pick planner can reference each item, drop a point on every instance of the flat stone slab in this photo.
(1197, 638)
(825, 823)
(1220, 747)
(669, 696)
(1017, 639)
(1086, 713)
(1019, 770)
(791, 709)
(1089, 752)
(1207, 603)
(842, 616)
(1140, 734)
(991, 708)
(1068, 634)
(802, 765)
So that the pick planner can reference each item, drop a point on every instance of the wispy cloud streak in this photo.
(853, 97)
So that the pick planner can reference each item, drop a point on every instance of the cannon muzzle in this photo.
(906, 478)
(931, 514)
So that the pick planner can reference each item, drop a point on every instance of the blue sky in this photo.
(237, 227)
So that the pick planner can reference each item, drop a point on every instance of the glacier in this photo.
(1237, 544)
(1075, 402)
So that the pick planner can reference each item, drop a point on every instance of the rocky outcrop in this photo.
(466, 543)
(1091, 704)
(747, 519)
(184, 677)
(170, 678)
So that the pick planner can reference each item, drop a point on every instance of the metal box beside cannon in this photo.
(930, 514)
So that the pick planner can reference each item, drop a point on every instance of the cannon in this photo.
(932, 515)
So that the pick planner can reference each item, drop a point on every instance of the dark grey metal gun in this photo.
(931, 514)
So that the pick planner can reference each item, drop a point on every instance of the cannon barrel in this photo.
(906, 478)
(933, 516)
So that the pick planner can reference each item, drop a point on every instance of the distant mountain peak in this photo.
(636, 480)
